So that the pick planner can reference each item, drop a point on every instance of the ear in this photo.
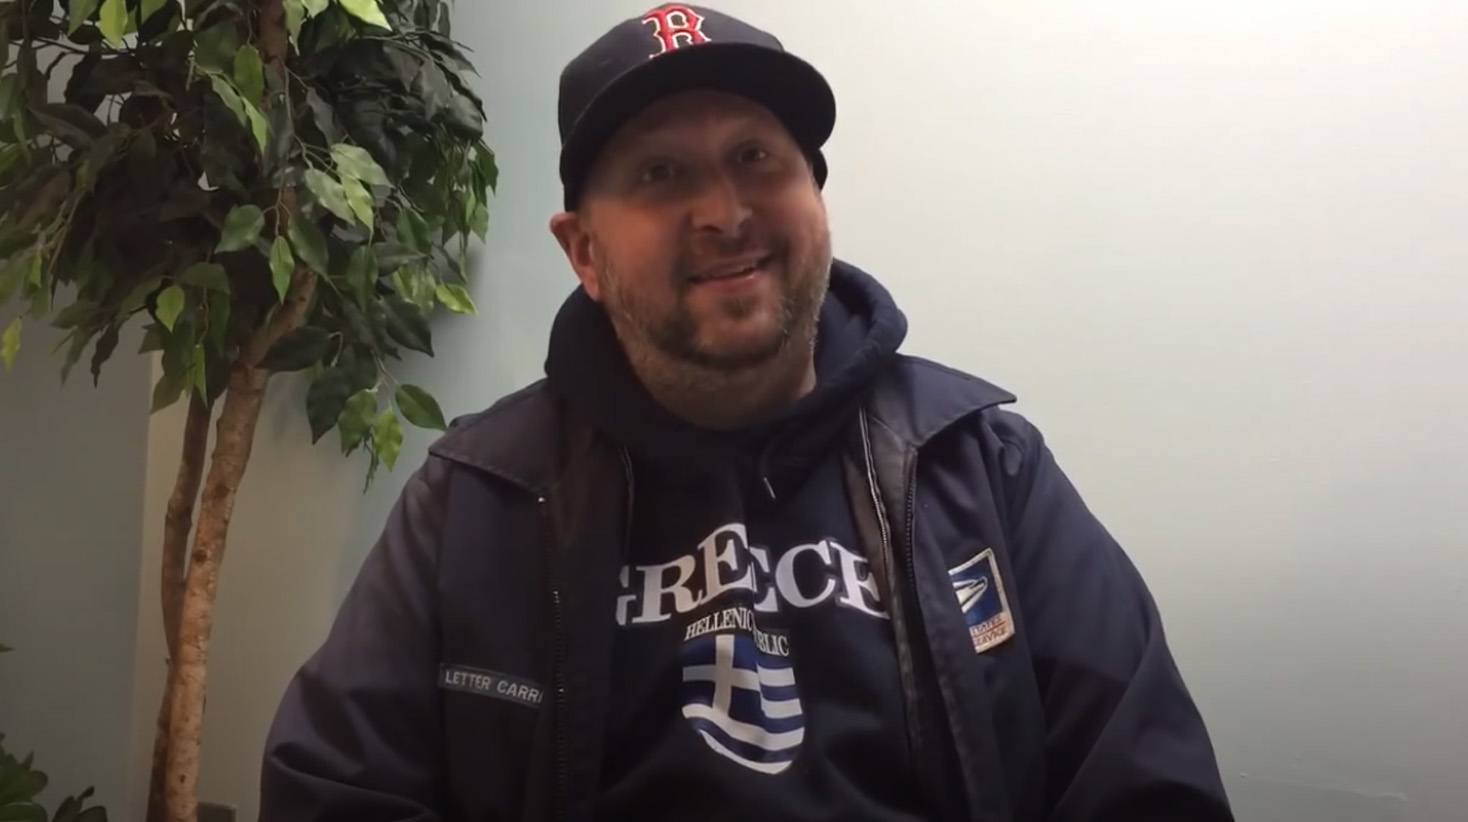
(569, 229)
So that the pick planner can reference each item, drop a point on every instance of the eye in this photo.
(657, 172)
(750, 155)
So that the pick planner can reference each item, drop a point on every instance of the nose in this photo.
(720, 208)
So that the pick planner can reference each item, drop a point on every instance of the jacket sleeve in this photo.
(1124, 740)
(357, 736)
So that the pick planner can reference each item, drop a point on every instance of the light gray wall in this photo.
(1216, 248)
(71, 502)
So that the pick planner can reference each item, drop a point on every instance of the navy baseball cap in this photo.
(675, 48)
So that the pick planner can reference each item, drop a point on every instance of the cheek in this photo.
(804, 222)
(638, 255)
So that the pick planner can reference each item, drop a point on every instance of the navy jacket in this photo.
(501, 558)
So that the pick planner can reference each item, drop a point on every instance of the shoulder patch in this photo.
(982, 598)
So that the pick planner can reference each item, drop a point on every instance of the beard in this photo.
(673, 335)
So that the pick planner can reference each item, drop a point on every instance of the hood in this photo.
(858, 333)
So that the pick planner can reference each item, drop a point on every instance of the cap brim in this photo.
(788, 86)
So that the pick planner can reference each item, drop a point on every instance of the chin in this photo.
(745, 351)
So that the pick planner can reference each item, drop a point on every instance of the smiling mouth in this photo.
(734, 272)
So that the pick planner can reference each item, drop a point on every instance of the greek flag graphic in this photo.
(741, 701)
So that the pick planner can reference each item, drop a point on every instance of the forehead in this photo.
(688, 113)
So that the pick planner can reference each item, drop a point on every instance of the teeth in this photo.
(726, 275)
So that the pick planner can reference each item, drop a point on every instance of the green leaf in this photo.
(325, 400)
(299, 349)
(329, 193)
(420, 408)
(215, 47)
(356, 419)
(391, 256)
(479, 220)
(356, 163)
(282, 266)
(387, 437)
(12, 95)
(98, 156)
(178, 349)
(22, 812)
(315, 7)
(231, 98)
(75, 314)
(150, 8)
(359, 200)
(40, 303)
(455, 298)
(81, 11)
(168, 389)
(10, 343)
(406, 325)
(368, 12)
(199, 372)
(259, 126)
(71, 124)
(361, 365)
(249, 73)
(33, 274)
(241, 228)
(113, 21)
(309, 244)
(295, 17)
(15, 272)
(170, 304)
(106, 344)
(413, 283)
(413, 230)
(362, 272)
(322, 115)
(206, 275)
(153, 339)
(219, 322)
(485, 165)
(139, 295)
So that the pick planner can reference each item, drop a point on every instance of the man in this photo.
(735, 558)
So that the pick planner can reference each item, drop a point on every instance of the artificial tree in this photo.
(265, 185)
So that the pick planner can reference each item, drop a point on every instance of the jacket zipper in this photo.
(903, 618)
(898, 599)
(627, 526)
(562, 800)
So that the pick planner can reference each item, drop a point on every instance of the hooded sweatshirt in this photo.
(754, 670)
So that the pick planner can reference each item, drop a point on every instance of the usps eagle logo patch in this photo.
(981, 597)
(743, 700)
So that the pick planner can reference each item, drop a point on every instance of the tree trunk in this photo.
(234, 437)
(177, 524)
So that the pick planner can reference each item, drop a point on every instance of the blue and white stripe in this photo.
(742, 702)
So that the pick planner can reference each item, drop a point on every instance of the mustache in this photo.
(689, 263)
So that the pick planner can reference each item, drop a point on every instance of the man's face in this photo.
(703, 233)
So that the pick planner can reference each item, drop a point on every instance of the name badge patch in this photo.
(480, 682)
(981, 596)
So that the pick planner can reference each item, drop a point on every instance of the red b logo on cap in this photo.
(672, 22)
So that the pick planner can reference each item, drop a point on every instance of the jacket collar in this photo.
(917, 399)
(520, 439)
